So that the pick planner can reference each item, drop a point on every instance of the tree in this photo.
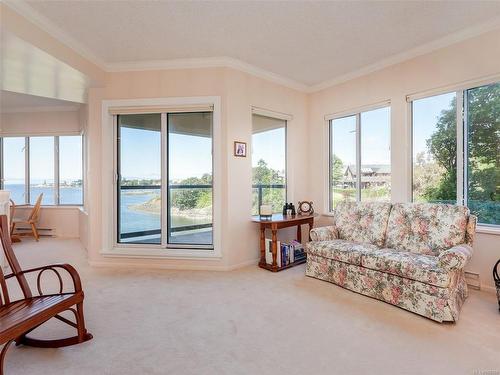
(262, 174)
(483, 134)
(186, 199)
(337, 169)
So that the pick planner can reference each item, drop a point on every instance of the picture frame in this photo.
(240, 149)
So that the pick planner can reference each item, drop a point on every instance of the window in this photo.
(51, 166)
(164, 168)
(459, 164)
(360, 142)
(435, 149)
(268, 163)
(482, 121)
(343, 183)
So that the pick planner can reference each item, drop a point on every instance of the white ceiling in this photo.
(15, 102)
(306, 42)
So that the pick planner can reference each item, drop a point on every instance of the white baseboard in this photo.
(171, 266)
(243, 264)
(489, 289)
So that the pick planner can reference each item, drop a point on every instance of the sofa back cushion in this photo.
(426, 228)
(362, 221)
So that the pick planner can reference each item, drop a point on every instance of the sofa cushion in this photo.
(341, 250)
(418, 267)
(362, 221)
(426, 228)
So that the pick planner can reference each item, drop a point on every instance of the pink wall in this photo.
(40, 123)
(239, 92)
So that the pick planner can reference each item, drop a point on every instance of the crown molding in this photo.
(24, 9)
(207, 62)
(423, 49)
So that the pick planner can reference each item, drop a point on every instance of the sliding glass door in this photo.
(175, 148)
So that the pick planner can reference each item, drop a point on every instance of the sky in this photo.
(375, 137)
(425, 114)
(270, 146)
(190, 156)
(42, 159)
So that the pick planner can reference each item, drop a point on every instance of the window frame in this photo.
(340, 115)
(56, 166)
(112, 248)
(461, 92)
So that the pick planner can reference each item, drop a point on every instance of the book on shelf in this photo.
(287, 253)
(269, 252)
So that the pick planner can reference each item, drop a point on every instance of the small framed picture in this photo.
(240, 149)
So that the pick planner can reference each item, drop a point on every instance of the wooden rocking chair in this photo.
(20, 317)
(31, 221)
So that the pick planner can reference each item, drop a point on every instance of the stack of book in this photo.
(287, 253)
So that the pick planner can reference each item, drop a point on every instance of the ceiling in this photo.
(305, 42)
(15, 102)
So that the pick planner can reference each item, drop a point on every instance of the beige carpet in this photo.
(250, 321)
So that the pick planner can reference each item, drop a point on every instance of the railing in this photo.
(260, 188)
(156, 232)
(184, 228)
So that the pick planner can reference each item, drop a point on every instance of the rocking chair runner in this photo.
(20, 317)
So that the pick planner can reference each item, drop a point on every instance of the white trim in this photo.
(356, 110)
(326, 152)
(409, 142)
(459, 86)
(460, 139)
(423, 49)
(488, 288)
(164, 181)
(108, 187)
(488, 229)
(173, 266)
(358, 157)
(207, 62)
(270, 113)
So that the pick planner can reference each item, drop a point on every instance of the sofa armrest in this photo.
(455, 258)
(324, 233)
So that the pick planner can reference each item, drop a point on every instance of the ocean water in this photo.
(68, 195)
(131, 220)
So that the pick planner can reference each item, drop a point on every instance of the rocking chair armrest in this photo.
(77, 283)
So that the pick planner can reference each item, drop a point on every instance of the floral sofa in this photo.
(411, 255)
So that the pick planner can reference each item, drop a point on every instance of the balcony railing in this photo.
(259, 189)
(155, 233)
(190, 230)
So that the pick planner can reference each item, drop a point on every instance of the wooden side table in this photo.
(278, 221)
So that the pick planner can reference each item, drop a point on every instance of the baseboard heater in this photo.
(473, 280)
(42, 232)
